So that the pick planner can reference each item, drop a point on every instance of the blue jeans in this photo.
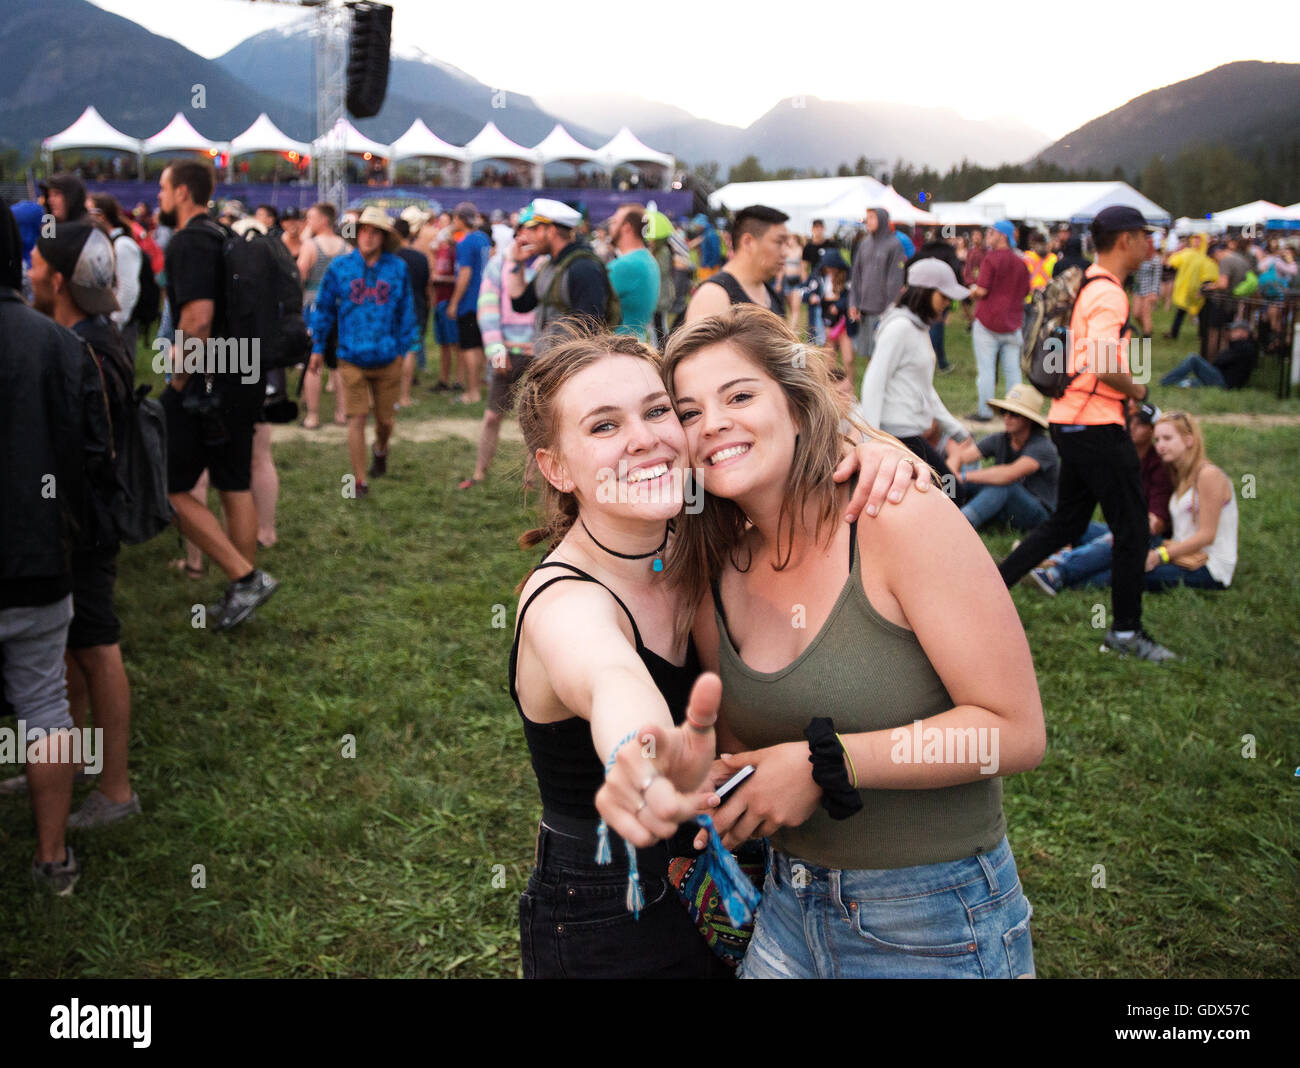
(1166, 577)
(816, 325)
(965, 918)
(1199, 370)
(1013, 505)
(937, 339)
(992, 350)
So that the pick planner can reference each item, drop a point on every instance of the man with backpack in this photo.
(210, 415)
(1099, 464)
(72, 282)
(573, 283)
(43, 379)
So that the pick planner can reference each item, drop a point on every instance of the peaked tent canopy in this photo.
(264, 136)
(178, 136)
(1257, 211)
(91, 130)
(491, 143)
(625, 147)
(419, 140)
(1075, 202)
(834, 200)
(560, 146)
(355, 143)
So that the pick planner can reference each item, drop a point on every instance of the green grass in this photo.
(407, 860)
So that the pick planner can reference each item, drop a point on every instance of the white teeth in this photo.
(647, 473)
(728, 453)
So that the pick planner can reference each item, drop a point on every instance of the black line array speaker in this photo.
(372, 31)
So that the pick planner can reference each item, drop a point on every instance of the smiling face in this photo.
(619, 448)
(739, 429)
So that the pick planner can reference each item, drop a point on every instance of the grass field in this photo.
(406, 859)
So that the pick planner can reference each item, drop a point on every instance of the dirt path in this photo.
(444, 427)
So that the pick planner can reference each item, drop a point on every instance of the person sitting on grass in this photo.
(1203, 551)
(1019, 488)
(1230, 369)
(1088, 561)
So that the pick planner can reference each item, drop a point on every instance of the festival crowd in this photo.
(651, 348)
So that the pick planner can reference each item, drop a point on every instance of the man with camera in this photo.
(210, 415)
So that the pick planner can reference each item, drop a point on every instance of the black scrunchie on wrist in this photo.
(826, 755)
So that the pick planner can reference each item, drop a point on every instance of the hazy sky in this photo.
(730, 61)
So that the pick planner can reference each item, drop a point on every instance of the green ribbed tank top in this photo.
(867, 674)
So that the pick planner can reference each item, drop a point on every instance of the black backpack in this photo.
(148, 305)
(139, 506)
(264, 298)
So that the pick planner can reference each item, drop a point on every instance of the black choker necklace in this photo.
(656, 553)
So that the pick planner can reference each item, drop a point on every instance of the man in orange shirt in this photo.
(1099, 464)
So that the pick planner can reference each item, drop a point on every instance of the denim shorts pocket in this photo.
(1002, 930)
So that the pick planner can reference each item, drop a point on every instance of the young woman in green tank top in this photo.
(889, 851)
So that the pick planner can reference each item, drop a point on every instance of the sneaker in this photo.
(1047, 580)
(363, 490)
(1141, 645)
(378, 464)
(98, 811)
(58, 879)
(241, 598)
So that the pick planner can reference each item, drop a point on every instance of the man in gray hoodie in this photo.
(876, 278)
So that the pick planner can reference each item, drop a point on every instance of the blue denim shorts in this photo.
(960, 919)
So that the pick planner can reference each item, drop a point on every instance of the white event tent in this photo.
(355, 143)
(626, 147)
(834, 200)
(178, 136)
(560, 146)
(491, 143)
(264, 136)
(419, 142)
(91, 130)
(1257, 211)
(1075, 202)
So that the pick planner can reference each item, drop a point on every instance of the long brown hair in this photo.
(705, 542)
(574, 346)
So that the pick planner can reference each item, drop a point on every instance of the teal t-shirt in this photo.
(635, 278)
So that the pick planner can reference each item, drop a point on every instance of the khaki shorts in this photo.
(367, 387)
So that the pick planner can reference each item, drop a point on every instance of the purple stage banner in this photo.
(599, 204)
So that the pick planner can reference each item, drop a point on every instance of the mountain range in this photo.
(60, 55)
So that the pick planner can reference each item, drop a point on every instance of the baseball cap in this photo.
(1118, 218)
(930, 273)
(551, 211)
(289, 214)
(1008, 230)
(1147, 413)
(84, 256)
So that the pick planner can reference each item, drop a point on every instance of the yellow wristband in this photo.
(849, 759)
(1163, 553)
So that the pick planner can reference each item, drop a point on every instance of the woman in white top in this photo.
(1203, 551)
(898, 394)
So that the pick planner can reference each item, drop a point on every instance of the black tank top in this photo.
(568, 769)
(736, 292)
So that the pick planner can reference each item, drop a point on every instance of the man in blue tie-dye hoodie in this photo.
(367, 295)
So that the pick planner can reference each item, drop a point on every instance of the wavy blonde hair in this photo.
(705, 542)
(1194, 459)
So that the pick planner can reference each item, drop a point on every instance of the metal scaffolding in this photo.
(333, 20)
